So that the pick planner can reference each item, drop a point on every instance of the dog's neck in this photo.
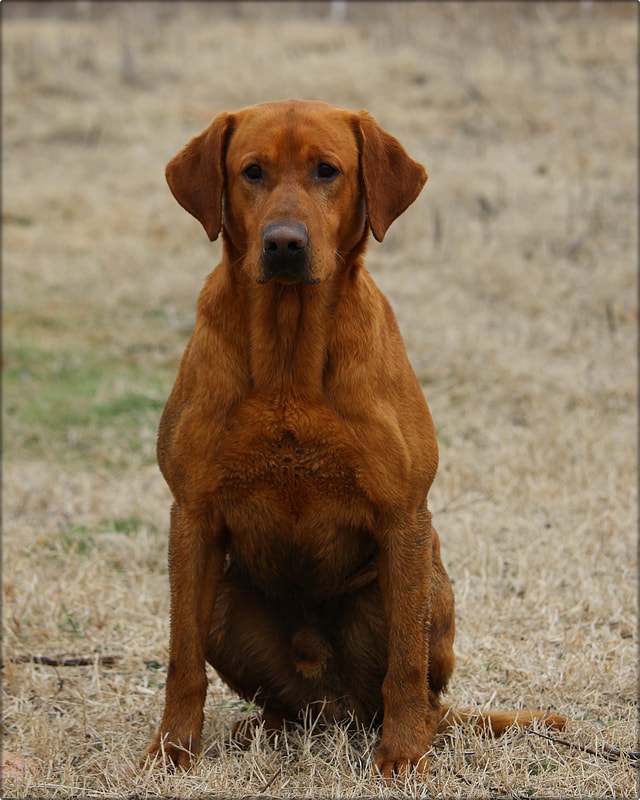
(288, 334)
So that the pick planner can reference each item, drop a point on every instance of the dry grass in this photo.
(514, 281)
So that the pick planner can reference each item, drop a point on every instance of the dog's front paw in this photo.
(169, 750)
(394, 759)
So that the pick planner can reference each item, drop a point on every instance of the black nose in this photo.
(284, 249)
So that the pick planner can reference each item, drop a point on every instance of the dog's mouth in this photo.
(284, 276)
(289, 278)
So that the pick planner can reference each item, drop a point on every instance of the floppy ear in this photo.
(392, 180)
(196, 175)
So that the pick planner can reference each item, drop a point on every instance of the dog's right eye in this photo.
(252, 172)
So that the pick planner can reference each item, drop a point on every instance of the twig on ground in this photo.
(607, 752)
(63, 661)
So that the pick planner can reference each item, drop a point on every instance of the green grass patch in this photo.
(81, 404)
(129, 403)
(77, 540)
(69, 622)
(126, 526)
(81, 533)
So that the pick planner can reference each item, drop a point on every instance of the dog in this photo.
(299, 448)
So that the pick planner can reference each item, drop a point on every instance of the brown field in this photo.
(513, 278)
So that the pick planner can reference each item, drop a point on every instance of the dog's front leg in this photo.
(410, 710)
(196, 558)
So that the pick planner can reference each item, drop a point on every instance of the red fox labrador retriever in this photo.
(298, 445)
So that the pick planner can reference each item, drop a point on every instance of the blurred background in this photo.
(523, 113)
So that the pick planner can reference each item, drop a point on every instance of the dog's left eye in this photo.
(326, 171)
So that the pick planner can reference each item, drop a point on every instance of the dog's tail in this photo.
(497, 722)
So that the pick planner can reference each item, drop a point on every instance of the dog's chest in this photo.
(291, 496)
(288, 460)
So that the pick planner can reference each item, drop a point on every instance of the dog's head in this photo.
(294, 185)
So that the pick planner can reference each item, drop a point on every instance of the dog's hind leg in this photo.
(280, 657)
(249, 647)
